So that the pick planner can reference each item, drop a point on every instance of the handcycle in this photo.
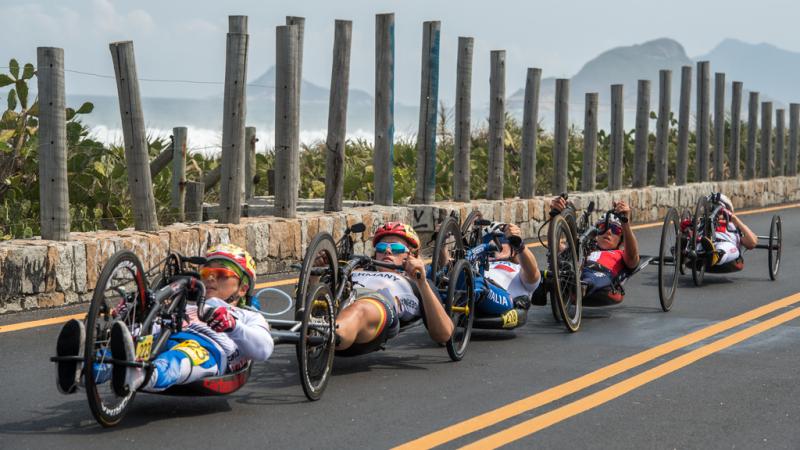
(571, 239)
(703, 223)
(325, 273)
(152, 316)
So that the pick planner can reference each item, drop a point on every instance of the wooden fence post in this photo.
(615, 162)
(752, 135)
(497, 107)
(561, 136)
(682, 169)
(195, 191)
(383, 156)
(177, 194)
(736, 130)
(53, 187)
(287, 159)
(589, 172)
(766, 139)
(662, 127)
(530, 131)
(642, 133)
(250, 163)
(719, 125)
(461, 181)
(703, 131)
(337, 116)
(794, 124)
(300, 22)
(428, 101)
(780, 138)
(140, 184)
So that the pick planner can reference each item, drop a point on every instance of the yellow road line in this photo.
(498, 415)
(584, 404)
(39, 323)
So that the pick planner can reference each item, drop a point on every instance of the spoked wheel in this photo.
(315, 349)
(449, 249)
(775, 243)
(471, 233)
(120, 294)
(563, 262)
(701, 228)
(685, 215)
(460, 306)
(320, 264)
(669, 259)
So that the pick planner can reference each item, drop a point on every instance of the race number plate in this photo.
(144, 345)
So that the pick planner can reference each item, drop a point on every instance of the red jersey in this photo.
(613, 260)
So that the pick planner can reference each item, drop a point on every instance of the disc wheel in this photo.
(315, 348)
(563, 260)
(775, 243)
(120, 294)
(669, 259)
(320, 264)
(470, 232)
(449, 248)
(460, 306)
(701, 227)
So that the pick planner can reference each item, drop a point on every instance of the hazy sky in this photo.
(182, 39)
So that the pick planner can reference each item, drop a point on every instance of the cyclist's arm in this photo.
(252, 337)
(749, 239)
(631, 255)
(440, 327)
(530, 270)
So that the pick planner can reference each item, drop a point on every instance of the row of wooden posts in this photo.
(235, 174)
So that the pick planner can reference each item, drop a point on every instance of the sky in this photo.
(185, 40)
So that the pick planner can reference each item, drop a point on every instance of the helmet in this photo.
(494, 232)
(403, 230)
(494, 228)
(238, 256)
(612, 219)
(726, 201)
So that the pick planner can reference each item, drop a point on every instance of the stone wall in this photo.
(42, 274)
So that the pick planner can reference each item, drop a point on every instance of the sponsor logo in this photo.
(510, 319)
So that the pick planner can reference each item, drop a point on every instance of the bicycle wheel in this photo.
(460, 306)
(669, 259)
(320, 264)
(449, 249)
(701, 227)
(120, 294)
(470, 232)
(775, 242)
(684, 239)
(315, 348)
(563, 262)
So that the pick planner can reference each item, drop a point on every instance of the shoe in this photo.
(71, 341)
(522, 302)
(124, 379)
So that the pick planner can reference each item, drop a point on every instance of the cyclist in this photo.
(610, 257)
(219, 339)
(729, 236)
(384, 299)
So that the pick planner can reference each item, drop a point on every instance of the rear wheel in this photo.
(120, 294)
(460, 306)
(563, 260)
(315, 349)
(320, 265)
(669, 259)
(775, 243)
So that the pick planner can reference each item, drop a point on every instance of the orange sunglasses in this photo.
(219, 273)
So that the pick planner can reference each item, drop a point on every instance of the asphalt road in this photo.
(622, 381)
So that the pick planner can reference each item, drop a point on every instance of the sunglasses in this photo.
(219, 273)
(396, 247)
(615, 229)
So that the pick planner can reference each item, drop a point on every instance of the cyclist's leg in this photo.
(190, 357)
(367, 320)
(728, 251)
(495, 300)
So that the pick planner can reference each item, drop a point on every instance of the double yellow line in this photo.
(574, 408)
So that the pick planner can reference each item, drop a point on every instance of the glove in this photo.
(222, 320)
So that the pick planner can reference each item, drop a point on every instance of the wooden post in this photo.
(497, 107)
(561, 136)
(703, 130)
(589, 172)
(211, 178)
(615, 162)
(736, 129)
(719, 125)
(682, 169)
(140, 184)
(161, 161)
(194, 201)
(461, 181)
(233, 121)
(337, 116)
(287, 158)
(383, 156)
(53, 187)
(428, 101)
(250, 163)
(530, 131)
(177, 195)
(752, 130)
(662, 127)
(642, 133)
(300, 22)
(794, 124)
(780, 136)
(766, 139)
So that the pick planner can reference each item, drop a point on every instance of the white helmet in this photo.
(494, 228)
(726, 201)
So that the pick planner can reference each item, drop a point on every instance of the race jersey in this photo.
(506, 275)
(612, 260)
(394, 286)
(727, 233)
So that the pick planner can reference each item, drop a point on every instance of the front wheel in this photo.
(320, 265)
(315, 348)
(449, 249)
(669, 259)
(775, 243)
(460, 306)
(563, 260)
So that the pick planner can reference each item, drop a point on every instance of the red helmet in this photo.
(403, 230)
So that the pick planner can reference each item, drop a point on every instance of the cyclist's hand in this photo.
(414, 267)
(558, 203)
(222, 320)
(622, 209)
(513, 230)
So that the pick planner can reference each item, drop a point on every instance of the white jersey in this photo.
(394, 286)
(508, 275)
(730, 235)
